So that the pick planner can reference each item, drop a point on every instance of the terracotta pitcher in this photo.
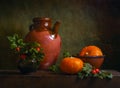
(41, 31)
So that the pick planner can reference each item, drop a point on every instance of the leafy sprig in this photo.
(66, 54)
(103, 74)
(55, 68)
(89, 71)
(15, 41)
(86, 71)
(27, 51)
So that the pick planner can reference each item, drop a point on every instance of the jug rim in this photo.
(36, 19)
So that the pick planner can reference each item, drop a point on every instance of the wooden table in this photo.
(46, 79)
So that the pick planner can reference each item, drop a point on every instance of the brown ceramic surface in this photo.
(95, 61)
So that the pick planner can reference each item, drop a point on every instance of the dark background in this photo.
(83, 22)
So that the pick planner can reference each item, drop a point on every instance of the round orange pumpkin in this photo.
(71, 65)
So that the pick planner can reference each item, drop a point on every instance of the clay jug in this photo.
(41, 31)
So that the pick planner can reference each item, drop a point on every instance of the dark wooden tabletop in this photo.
(47, 79)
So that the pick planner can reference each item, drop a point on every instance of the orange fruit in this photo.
(93, 55)
(91, 51)
(71, 65)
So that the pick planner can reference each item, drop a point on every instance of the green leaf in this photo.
(55, 68)
(13, 46)
(87, 68)
(110, 76)
(66, 54)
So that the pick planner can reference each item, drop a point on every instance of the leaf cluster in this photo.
(55, 68)
(15, 41)
(28, 49)
(87, 72)
(103, 74)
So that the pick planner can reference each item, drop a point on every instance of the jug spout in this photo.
(55, 28)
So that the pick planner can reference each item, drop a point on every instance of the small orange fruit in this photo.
(71, 65)
(93, 55)
(91, 51)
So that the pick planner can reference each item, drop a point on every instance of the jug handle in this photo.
(55, 28)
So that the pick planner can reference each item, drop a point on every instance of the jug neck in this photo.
(41, 23)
